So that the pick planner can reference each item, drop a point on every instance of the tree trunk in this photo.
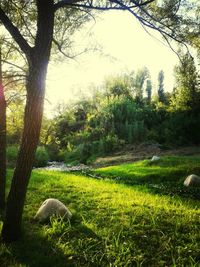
(38, 59)
(32, 125)
(2, 142)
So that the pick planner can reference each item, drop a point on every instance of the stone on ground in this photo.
(155, 158)
(51, 207)
(192, 180)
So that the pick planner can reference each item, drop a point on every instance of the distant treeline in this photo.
(125, 112)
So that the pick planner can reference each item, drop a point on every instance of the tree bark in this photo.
(2, 141)
(38, 60)
(32, 125)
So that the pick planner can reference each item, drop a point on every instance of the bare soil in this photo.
(144, 151)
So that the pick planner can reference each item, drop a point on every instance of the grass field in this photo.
(165, 176)
(120, 220)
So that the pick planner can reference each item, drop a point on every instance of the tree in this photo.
(187, 91)
(138, 83)
(161, 93)
(34, 35)
(182, 17)
(149, 90)
(2, 138)
(8, 78)
(37, 57)
(118, 86)
(14, 120)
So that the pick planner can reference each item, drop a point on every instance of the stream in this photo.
(61, 166)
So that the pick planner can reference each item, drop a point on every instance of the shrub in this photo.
(110, 143)
(73, 157)
(12, 152)
(55, 154)
(80, 154)
(41, 157)
(86, 152)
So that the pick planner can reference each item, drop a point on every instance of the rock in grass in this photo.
(52, 206)
(192, 180)
(155, 158)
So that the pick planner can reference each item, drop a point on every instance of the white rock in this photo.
(155, 158)
(192, 180)
(52, 206)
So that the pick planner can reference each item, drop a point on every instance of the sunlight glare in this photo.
(126, 47)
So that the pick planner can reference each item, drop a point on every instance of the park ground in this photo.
(130, 214)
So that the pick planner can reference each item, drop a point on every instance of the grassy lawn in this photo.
(165, 176)
(119, 223)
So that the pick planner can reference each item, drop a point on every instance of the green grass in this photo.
(113, 224)
(165, 176)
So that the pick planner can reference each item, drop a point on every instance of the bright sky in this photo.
(129, 48)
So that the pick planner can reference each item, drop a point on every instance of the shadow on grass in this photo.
(170, 183)
(33, 250)
(51, 245)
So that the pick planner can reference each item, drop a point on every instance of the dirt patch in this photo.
(144, 151)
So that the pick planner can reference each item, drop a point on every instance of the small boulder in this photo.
(155, 158)
(51, 207)
(192, 180)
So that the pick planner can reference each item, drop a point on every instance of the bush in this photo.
(110, 143)
(12, 152)
(41, 157)
(81, 153)
(73, 157)
(86, 152)
(53, 151)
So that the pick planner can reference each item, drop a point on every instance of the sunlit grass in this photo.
(171, 169)
(113, 225)
(165, 176)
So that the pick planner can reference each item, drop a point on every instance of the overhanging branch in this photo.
(163, 29)
(59, 46)
(143, 3)
(133, 6)
(13, 65)
(90, 5)
(15, 33)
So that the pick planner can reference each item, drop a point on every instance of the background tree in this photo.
(187, 91)
(10, 78)
(161, 93)
(149, 90)
(117, 86)
(2, 138)
(138, 83)
(15, 114)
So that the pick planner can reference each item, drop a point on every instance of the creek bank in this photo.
(61, 166)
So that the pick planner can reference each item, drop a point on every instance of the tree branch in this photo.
(13, 65)
(64, 3)
(59, 46)
(89, 5)
(149, 24)
(13, 96)
(14, 81)
(8, 76)
(15, 33)
(144, 3)
(163, 29)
